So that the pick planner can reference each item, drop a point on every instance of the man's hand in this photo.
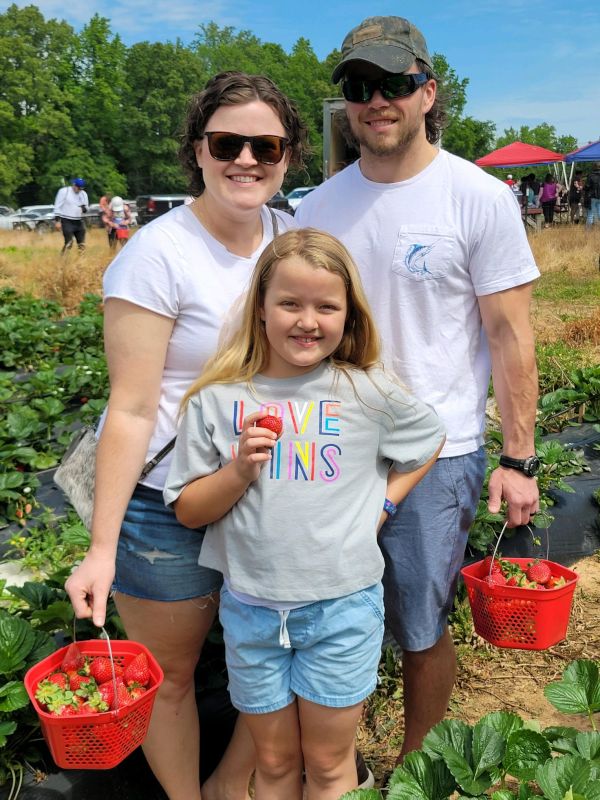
(520, 492)
(57, 225)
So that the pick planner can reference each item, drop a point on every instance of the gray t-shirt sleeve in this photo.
(411, 431)
(194, 456)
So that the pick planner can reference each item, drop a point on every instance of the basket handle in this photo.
(546, 528)
(104, 635)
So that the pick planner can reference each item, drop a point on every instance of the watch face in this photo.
(531, 466)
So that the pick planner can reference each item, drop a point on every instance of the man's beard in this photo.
(388, 148)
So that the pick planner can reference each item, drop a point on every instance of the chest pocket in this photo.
(423, 253)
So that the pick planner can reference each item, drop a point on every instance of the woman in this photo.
(547, 196)
(166, 296)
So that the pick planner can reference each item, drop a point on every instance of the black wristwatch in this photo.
(528, 466)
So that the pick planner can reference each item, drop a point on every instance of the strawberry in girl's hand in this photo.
(271, 423)
(137, 671)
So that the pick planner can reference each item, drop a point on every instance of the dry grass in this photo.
(32, 264)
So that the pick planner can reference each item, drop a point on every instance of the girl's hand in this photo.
(254, 448)
(89, 585)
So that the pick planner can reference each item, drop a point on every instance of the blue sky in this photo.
(528, 61)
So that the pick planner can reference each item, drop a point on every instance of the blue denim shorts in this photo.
(424, 546)
(157, 558)
(332, 660)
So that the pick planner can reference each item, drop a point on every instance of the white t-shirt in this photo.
(174, 267)
(426, 249)
(68, 203)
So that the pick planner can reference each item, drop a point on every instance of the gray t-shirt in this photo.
(306, 529)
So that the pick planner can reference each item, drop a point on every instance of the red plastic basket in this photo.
(512, 616)
(99, 741)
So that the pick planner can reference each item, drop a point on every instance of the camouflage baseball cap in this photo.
(391, 43)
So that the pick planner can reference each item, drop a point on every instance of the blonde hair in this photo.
(246, 352)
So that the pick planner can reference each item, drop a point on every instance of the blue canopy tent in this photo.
(589, 152)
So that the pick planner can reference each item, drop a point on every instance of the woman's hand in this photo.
(89, 585)
(254, 448)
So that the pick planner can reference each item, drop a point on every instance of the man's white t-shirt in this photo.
(69, 203)
(426, 249)
(174, 267)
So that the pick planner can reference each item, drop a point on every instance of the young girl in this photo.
(293, 520)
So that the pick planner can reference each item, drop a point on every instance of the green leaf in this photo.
(463, 772)
(558, 775)
(13, 695)
(6, 728)
(525, 752)
(43, 646)
(578, 692)
(362, 794)
(487, 748)
(421, 778)
(449, 732)
(35, 595)
(503, 722)
(503, 794)
(16, 641)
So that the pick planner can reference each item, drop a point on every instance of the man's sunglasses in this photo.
(266, 149)
(361, 90)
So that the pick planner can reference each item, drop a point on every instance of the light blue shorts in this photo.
(157, 558)
(333, 657)
(424, 548)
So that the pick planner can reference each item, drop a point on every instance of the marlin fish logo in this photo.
(414, 260)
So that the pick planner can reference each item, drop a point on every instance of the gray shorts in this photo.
(424, 545)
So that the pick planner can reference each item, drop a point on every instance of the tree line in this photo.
(83, 103)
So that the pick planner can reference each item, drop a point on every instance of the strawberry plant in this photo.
(503, 756)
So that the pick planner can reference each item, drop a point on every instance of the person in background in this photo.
(165, 298)
(303, 642)
(117, 219)
(548, 195)
(70, 205)
(509, 180)
(576, 198)
(591, 195)
(429, 233)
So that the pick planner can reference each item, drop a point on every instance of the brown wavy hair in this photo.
(230, 89)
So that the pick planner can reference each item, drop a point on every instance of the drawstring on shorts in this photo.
(284, 637)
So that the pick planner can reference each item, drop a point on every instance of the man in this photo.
(448, 271)
(591, 193)
(70, 204)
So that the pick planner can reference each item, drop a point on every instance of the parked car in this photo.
(41, 221)
(295, 196)
(279, 201)
(151, 206)
(6, 210)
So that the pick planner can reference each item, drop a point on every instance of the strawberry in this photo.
(137, 671)
(271, 423)
(58, 679)
(496, 566)
(101, 669)
(73, 659)
(553, 582)
(107, 693)
(83, 682)
(538, 571)
(495, 579)
(122, 698)
(135, 692)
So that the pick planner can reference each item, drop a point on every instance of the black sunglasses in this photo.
(266, 149)
(361, 90)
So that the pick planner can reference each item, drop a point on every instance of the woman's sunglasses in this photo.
(361, 90)
(266, 149)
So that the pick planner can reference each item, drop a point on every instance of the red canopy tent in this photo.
(519, 154)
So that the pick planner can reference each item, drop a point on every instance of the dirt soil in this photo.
(495, 679)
